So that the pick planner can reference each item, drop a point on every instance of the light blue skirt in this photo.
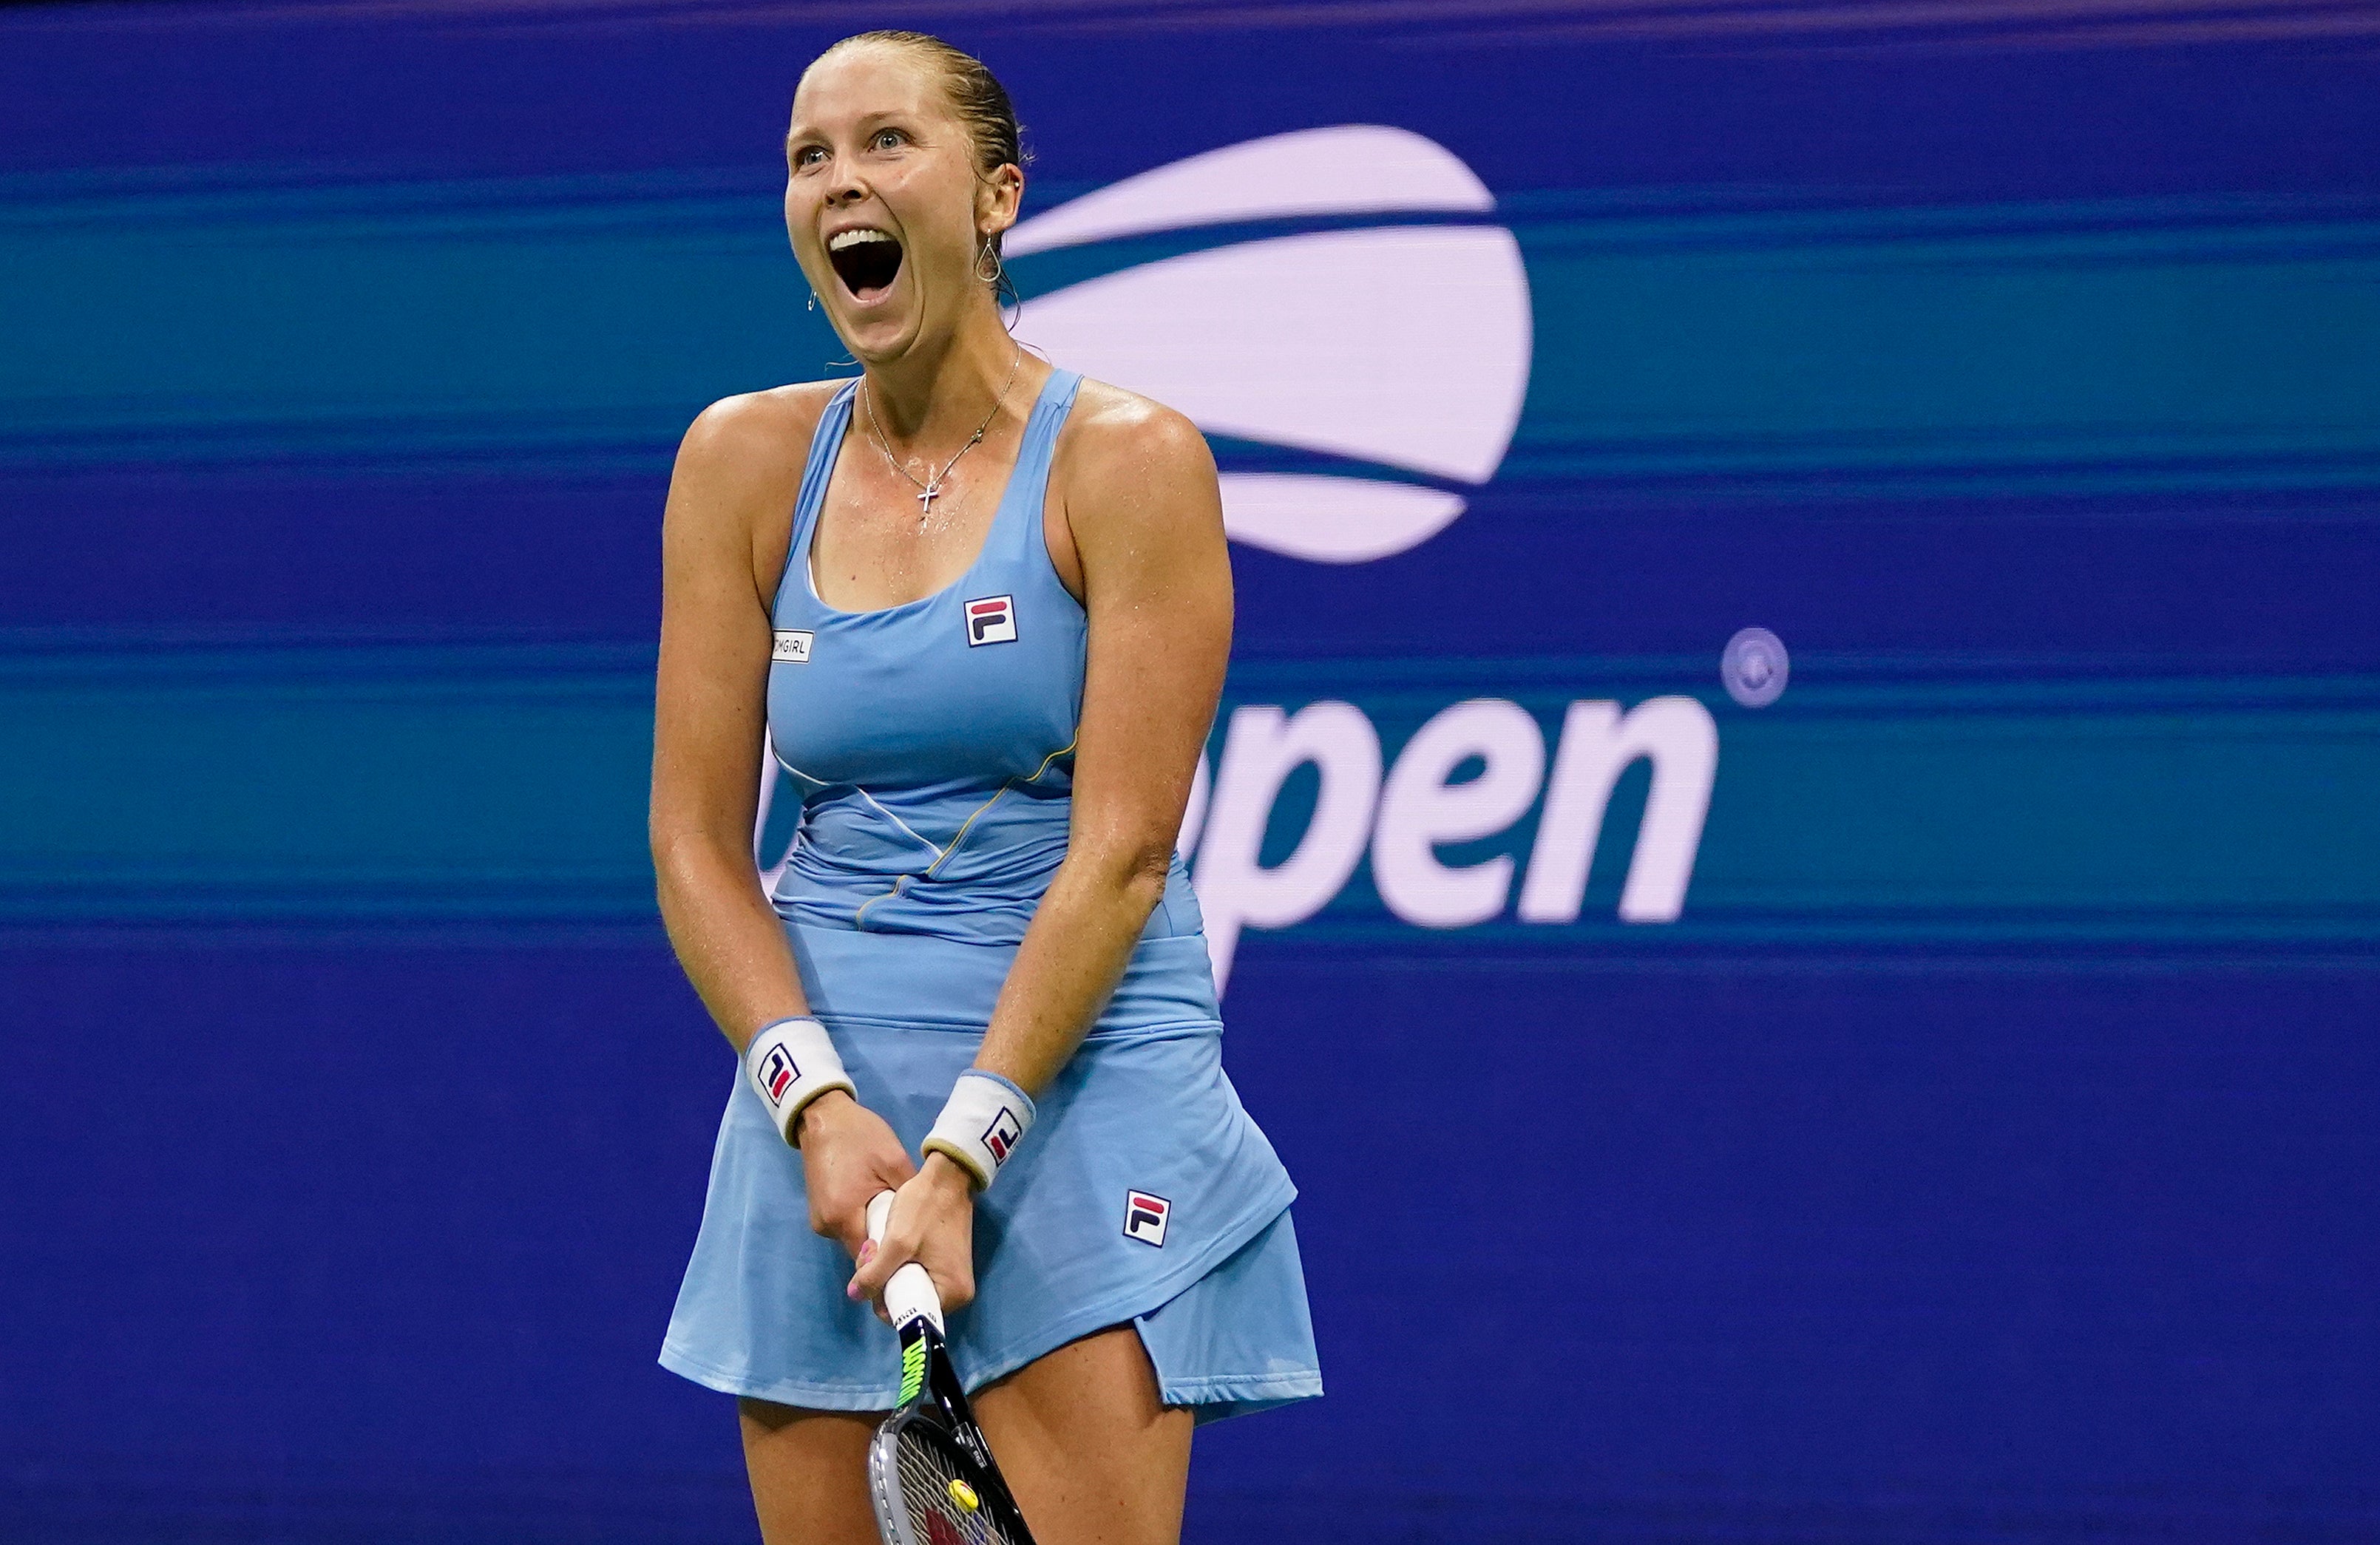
(1217, 1293)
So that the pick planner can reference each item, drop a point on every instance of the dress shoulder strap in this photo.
(1029, 483)
(826, 442)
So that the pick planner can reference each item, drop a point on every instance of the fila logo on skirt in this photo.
(991, 619)
(1145, 1217)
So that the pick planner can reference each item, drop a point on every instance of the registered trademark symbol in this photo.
(1754, 668)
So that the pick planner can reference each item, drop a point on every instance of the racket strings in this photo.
(937, 1496)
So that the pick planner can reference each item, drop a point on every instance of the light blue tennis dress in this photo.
(932, 745)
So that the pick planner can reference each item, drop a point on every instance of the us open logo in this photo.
(1399, 349)
(777, 1074)
(991, 619)
(1145, 1217)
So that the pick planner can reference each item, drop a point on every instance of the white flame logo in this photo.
(1406, 346)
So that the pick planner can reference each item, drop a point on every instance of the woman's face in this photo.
(882, 202)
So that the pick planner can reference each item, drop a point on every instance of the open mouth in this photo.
(865, 260)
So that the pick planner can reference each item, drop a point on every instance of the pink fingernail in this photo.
(867, 1250)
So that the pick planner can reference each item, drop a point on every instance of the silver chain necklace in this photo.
(931, 488)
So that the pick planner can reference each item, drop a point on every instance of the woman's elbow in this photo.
(1134, 873)
(684, 858)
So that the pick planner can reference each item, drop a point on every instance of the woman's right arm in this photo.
(709, 709)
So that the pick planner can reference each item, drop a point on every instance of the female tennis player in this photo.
(977, 609)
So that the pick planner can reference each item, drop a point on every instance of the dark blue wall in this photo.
(1984, 1152)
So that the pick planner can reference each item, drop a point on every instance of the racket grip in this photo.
(910, 1295)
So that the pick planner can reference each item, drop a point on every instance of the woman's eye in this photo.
(886, 139)
(808, 155)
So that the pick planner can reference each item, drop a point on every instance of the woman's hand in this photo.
(932, 1224)
(848, 1154)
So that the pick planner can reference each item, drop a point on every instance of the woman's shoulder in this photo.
(739, 468)
(1118, 441)
(1135, 478)
(1110, 417)
(759, 428)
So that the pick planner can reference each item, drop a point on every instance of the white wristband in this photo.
(791, 1063)
(981, 1124)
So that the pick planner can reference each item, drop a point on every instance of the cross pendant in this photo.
(926, 501)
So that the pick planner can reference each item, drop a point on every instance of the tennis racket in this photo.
(929, 1472)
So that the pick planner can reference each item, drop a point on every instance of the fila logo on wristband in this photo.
(777, 1075)
(981, 1124)
(991, 619)
(787, 1083)
(1001, 1135)
(1145, 1217)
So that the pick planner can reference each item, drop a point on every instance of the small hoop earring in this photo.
(996, 270)
(813, 305)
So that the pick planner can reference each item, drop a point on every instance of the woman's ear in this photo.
(998, 197)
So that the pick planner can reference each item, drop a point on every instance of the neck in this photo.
(933, 392)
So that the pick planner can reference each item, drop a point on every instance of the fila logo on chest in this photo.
(991, 619)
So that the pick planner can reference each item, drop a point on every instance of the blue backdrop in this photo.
(1937, 1107)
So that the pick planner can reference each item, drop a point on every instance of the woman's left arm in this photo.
(1147, 524)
